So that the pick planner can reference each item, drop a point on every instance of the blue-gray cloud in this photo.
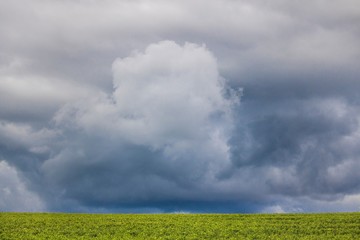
(99, 113)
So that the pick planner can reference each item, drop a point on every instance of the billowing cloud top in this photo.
(135, 106)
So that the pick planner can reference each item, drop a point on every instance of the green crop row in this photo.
(179, 226)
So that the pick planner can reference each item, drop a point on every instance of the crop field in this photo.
(179, 226)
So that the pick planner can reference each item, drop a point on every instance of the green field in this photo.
(179, 226)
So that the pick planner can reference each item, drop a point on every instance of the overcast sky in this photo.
(179, 106)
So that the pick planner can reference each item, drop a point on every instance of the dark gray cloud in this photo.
(99, 113)
(309, 139)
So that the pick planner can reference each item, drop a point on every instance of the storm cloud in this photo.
(153, 106)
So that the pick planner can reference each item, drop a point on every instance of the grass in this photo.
(179, 226)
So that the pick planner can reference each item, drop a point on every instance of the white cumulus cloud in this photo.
(165, 125)
(14, 194)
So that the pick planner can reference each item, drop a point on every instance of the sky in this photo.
(231, 106)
